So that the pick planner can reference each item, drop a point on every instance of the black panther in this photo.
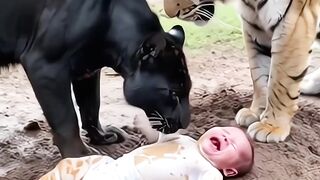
(63, 44)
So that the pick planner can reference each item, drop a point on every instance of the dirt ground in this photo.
(221, 86)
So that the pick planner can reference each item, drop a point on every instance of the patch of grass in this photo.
(224, 28)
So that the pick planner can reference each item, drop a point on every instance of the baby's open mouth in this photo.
(215, 141)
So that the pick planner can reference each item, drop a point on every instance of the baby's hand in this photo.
(142, 123)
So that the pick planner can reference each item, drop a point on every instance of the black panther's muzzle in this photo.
(162, 124)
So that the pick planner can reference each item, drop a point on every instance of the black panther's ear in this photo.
(152, 46)
(177, 33)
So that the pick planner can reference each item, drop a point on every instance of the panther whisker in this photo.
(161, 129)
(159, 115)
(167, 123)
(163, 118)
(155, 123)
(155, 118)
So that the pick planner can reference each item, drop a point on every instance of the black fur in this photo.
(59, 42)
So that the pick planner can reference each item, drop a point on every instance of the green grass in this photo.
(224, 28)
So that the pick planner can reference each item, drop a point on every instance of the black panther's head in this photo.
(160, 84)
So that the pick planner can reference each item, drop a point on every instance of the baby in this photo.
(220, 150)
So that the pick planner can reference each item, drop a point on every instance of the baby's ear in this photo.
(230, 172)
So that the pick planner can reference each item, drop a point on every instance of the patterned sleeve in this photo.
(72, 168)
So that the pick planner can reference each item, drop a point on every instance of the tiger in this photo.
(278, 35)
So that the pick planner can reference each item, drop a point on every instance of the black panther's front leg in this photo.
(87, 93)
(51, 83)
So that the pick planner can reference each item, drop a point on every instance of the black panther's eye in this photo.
(174, 96)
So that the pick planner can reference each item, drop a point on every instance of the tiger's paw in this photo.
(267, 132)
(245, 117)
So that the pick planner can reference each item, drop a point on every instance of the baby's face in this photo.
(226, 147)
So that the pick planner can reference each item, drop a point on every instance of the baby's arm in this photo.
(72, 168)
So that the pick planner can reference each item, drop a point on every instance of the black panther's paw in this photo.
(92, 151)
(110, 135)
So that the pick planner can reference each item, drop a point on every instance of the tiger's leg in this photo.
(259, 61)
(291, 43)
